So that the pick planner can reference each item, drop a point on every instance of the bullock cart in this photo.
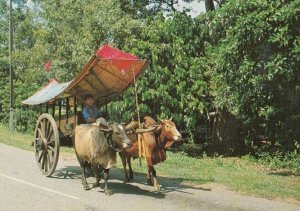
(106, 75)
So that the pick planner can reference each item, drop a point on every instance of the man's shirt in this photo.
(90, 112)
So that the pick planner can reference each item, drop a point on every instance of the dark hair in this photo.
(88, 96)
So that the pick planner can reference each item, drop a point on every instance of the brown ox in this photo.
(153, 149)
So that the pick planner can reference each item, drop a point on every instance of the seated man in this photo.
(90, 112)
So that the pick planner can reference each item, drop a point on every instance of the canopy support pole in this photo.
(59, 112)
(75, 112)
(139, 118)
(67, 110)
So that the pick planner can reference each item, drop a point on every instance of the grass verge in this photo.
(239, 174)
(22, 140)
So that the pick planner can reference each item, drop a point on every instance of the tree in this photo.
(23, 30)
(255, 68)
(175, 82)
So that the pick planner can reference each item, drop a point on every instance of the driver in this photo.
(90, 112)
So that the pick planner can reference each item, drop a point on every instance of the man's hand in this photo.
(91, 120)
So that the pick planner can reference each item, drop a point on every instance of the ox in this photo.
(98, 147)
(153, 147)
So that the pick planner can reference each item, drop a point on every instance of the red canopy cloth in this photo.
(120, 59)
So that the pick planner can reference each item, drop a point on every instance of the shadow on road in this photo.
(137, 186)
(129, 188)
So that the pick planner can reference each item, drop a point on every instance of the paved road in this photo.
(22, 187)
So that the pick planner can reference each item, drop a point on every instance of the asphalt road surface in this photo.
(23, 187)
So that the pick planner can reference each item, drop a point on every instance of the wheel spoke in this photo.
(38, 144)
(43, 162)
(49, 160)
(46, 163)
(40, 156)
(51, 157)
(51, 142)
(40, 133)
(51, 148)
(50, 133)
(47, 126)
(43, 127)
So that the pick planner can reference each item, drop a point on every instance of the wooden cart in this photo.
(106, 75)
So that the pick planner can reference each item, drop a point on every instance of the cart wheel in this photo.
(46, 144)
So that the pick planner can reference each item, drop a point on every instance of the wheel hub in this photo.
(45, 144)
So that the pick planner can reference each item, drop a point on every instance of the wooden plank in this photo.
(98, 79)
(90, 84)
(107, 71)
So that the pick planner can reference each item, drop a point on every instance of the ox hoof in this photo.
(108, 192)
(131, 176)
(158, 188)
(149, 182)
(86, 187)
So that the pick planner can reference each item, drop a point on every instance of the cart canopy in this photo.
(106, 75)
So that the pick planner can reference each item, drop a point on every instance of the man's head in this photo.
(89, 100)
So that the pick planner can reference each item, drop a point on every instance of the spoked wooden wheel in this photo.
(46, 144)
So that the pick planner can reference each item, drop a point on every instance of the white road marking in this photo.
(40, 187)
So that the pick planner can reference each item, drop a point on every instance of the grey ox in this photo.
(97, 146)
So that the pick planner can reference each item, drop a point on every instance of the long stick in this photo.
(139, 119)
(11, 109)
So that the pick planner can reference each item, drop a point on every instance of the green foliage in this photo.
(175, 83)
(254, 63)
(193, 150)
(288, 160)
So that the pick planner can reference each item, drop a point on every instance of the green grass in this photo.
(239, 174)
(22, 140)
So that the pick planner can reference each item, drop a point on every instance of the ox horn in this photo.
(138, 131)
(158, 129)
(171, 118)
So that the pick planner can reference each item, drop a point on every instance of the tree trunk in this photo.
(209, 5)
(226, 134)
